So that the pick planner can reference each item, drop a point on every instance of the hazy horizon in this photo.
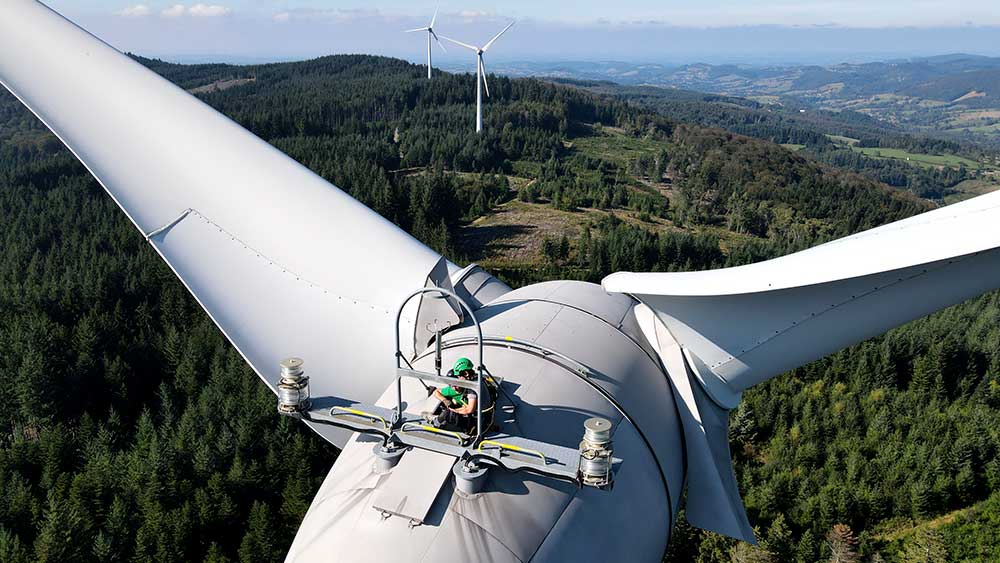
(671, 33)
(455, 65)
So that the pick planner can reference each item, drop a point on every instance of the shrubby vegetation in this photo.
(927, 182)
(133, 432)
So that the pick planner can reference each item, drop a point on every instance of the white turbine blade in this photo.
(713, 498)
(265, 245)
(497, 36)
(418, 29)
(748, 324)
(459, 43)
(439, 41)
(434, 19)
(482, 68)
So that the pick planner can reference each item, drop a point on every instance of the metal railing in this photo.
(480, 368)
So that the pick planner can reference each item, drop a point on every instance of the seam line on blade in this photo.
(812, 316)
(191, 211)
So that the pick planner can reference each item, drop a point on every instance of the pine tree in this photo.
(885, 366)
(550, 249)
(929, 371)
(921, 499)
(215, 555)
(743, 552)
(35, 389)
(843, 546)
(479, 206)
(741, 427)
(563, 250)
(778, 540)
(259, 543)
(11, 548)
(583, 247)
(714, 548)
(116, 532)
(102, 549)
(923, 374)
(61, 537)
(805, 551)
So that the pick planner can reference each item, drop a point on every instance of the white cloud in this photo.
(475, 14)
(137, 11)
(208, 10)
(175, 11)
(197, 11)
(329, 14)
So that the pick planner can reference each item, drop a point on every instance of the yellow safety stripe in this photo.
(427, 428)
(514, 448)
(363, 414)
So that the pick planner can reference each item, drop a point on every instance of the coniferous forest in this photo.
(131, 431)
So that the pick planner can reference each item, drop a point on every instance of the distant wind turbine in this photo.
(430, 33)
(480, 73)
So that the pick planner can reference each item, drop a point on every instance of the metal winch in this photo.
(596, 453)
(293, 388)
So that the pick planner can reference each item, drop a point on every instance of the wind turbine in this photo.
(661, 358)
(480, 73)
(430, 33)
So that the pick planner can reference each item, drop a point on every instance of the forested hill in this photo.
(132, 432)
(930, 167)
(952, 96)
(359, 120)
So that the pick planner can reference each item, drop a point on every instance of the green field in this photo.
(613, 145)
(929, 160)
(986, 129)
(917, 159)
(972, 188)
(843, 140)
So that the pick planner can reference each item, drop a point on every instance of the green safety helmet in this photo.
(461, 365)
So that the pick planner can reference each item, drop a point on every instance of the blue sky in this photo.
(672, 31)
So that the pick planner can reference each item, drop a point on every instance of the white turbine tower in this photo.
(480, 73)
(430, 33)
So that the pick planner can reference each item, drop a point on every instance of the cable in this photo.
(430, 390)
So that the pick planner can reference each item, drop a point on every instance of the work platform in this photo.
(400, 430)
(499, 449)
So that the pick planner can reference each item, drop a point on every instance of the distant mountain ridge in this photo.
(974, 72)
(955, 95)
